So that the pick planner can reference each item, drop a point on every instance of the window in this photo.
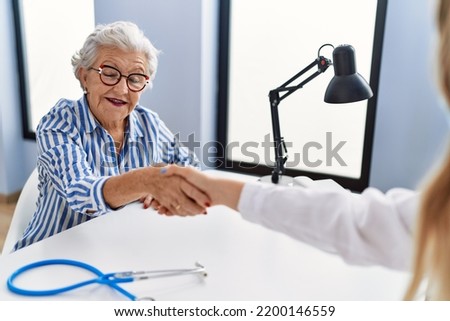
(48, 33)
(263, 43)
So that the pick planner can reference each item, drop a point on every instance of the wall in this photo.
(410, 125)
(410, 128)
(17, 157)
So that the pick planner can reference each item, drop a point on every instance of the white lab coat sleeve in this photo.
(371, 228)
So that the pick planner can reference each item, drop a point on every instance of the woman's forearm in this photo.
(226, 192)
(128, 187)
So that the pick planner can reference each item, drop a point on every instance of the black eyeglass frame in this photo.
(127, 77)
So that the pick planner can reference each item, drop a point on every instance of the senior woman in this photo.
(96, 154)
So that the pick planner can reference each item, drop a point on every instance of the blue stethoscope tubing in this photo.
(106, 279)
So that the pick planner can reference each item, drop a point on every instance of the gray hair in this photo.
(121, 34)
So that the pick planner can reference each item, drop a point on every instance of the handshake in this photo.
(186, 191)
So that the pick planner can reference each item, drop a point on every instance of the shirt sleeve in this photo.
(64, 163)
(371, 228)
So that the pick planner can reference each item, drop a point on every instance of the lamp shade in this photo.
(347, 85)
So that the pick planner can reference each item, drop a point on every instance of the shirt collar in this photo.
(91, 122)
(133, 128)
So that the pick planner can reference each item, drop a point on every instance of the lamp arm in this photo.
(322, 64)
(275, 99)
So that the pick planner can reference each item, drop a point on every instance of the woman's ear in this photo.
(82, 75)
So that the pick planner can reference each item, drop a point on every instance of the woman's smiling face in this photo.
(112, 104)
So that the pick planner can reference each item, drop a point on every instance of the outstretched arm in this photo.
(371, 228)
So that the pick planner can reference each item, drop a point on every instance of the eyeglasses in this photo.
(111, 76)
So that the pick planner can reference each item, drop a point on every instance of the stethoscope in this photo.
(110, 279)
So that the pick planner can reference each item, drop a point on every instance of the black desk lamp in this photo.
(346, 86)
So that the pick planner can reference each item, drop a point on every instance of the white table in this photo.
(244, 261)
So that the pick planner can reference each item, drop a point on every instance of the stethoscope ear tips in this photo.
(200, 269)
(145, 298)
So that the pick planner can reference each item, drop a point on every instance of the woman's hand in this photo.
(149, 201)
(173, 195)
(220, 191)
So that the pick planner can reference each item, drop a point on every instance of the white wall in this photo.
(17, 157)
(410, 128)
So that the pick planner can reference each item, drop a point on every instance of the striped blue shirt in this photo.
(76, 155)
